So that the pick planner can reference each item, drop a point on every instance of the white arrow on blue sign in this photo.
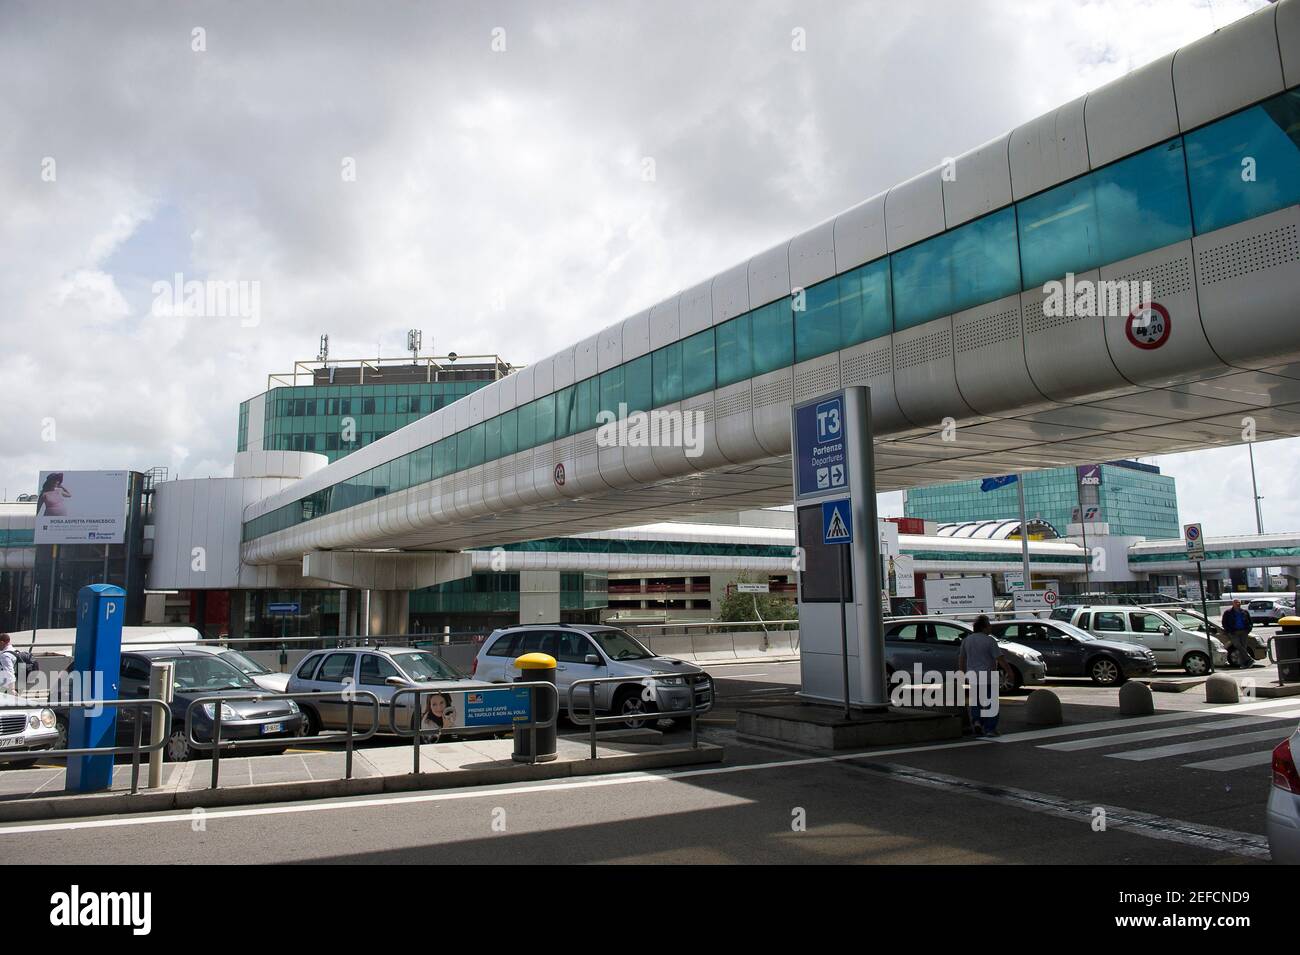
(837, 522)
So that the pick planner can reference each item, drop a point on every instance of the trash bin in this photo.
(537, 745)
(1286, 646)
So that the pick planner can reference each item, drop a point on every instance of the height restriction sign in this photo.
(1148, 326)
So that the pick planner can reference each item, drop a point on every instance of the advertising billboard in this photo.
(81, 507)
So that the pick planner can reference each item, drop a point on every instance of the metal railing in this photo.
(135, 749)
(216, 743)
(417, 734)
(592, 720)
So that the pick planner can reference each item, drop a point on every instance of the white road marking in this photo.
(1199, 746)
(1263, 707)
(1116, 739)
(1244, 761)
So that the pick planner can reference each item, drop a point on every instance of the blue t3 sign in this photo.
(837, 522)
(821, 447)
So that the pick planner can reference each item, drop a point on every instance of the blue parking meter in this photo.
(100, 608)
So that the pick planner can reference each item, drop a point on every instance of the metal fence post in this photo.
(135, 747)
(417, 716)
(160, 688)
(216, 742)
(348, 765)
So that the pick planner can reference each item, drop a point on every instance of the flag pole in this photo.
(1024, 532)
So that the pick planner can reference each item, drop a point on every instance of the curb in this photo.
(106, 804)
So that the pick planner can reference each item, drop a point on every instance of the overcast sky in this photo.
(499, 201)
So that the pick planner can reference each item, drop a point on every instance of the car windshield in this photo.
(423, 667)
(206, 674)
(1073, 631)
(619, 645)
(242, 663)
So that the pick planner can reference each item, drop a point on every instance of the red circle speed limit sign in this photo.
(559, 475)
(1148, 326)
(1049, 597)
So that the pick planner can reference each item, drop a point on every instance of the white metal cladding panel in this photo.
(562, 454)
(1288, 40)
(543, 377)
(612, 469)
(563, 369)
(812, 255)
(989, 358)
(460, 414)
(509, 387)
(1049, 150)
(609, 348)
(769, 276)
(524, 387)
(584, 361)
(860, 234)
(1187, 354)
(816, 376)
(636, 337)
(729, 293)
(695, 308)
(1228, 69)
(1246, 276)
(914, 210)
(772, 395)
(491, 401)
(475, 402)
(665, 461)
(1067, 355)
(980, 182)
(702, 412)
(165, 565)
(469, 493)
(872, 364)
(1132, 112)
(586, 476)
(734, 422)
(640, 463)
(256, 422)
(925, 376)
(665, 324)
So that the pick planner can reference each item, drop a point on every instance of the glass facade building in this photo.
(1135, 499)
(1185, 186)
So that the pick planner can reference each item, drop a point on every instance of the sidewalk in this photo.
(27, 794)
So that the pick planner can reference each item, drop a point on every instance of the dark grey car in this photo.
(1069, 651)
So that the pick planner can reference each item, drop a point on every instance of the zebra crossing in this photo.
(1190, 733)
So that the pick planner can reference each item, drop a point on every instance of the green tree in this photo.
(738, 606)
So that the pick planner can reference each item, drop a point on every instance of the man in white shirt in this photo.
(979, 657)
(8, 666)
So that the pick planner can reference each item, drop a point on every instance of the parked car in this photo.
(1069, 651)
(1267, 611)
(585, 652)
(1172, 644)
(1282, 817)
(28, 730)
(934, 642)
(199, 674)
(263, 676)
(1193, 620)
(378, 670)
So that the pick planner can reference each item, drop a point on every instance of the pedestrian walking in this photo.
(8, 666)
(1237, 624)
(978, 657)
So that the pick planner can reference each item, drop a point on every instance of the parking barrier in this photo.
(135, 749)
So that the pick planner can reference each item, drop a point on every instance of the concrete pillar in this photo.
(345, 624)
(389, 612)
(539, 596)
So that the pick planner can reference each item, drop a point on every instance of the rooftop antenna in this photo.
(324, 353)
(414, 338)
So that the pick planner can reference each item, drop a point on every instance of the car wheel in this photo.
(19, 764)
(311, 722)
(1009, 679)
(1196, 663)
(61, 725)
(1105, 672)
(178, 748)
(631, 705)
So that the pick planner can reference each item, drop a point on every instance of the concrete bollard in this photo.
(1221, 688)
(1043, 708)
(1135, 700)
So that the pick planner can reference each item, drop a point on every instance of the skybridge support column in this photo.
(390, 612)
(539, 596)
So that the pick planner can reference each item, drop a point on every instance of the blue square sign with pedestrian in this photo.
(837, 522)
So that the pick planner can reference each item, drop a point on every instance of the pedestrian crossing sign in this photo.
(837, 522)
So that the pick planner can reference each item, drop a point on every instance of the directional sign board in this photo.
(958, 594)
(282, 608)
(753, 588)
(1034, 599)
(837, 522)
(821, 448)
(1195, 541)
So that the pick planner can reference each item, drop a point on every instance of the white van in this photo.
(1173, 645)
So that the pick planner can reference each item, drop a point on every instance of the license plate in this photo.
(272, 727)
(12, 741)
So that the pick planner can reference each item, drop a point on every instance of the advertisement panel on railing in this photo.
(446, 711)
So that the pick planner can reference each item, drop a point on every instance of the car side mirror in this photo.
(1164, 628)
(395, 681)
(592, 658)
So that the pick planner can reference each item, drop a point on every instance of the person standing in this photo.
(1236, 624)
(8, 666)
(979, 657)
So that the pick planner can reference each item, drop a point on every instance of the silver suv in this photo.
(654, 684)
